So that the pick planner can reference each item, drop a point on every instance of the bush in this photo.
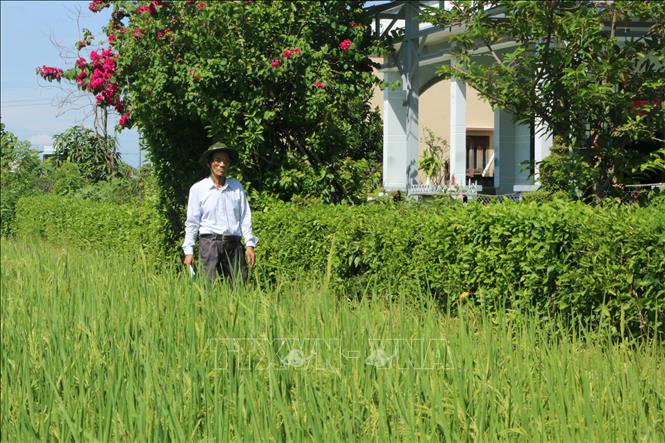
(68, 179)
(594, 264)
(102, 226)
(565, 258)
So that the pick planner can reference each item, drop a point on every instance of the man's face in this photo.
(219, 164)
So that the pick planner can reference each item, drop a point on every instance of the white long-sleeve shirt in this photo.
(217, 211)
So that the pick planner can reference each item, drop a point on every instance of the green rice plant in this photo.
(97, 348)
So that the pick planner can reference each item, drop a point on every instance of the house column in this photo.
(542, 145)
(457, 132)
(400, 122)
(394, 135)
(497, 149)
(512, 143)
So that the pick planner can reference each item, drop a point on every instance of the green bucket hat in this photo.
(214, 148)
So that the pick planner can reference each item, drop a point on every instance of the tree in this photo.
(20, 175)
(286, 83)
(15, 154)
(96, 158)
(574, 69)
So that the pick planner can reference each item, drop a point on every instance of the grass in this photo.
(97, 348)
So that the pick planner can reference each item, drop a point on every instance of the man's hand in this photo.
(189, 260)
(249, 253)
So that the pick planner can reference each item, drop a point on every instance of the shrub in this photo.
(594, 264)
(68, 179)
(597, 264)
(102, 226)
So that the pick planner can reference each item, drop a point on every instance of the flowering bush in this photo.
(269, 78)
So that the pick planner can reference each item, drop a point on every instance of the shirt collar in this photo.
(211, 184)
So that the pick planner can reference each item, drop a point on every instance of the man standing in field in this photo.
(218, 211)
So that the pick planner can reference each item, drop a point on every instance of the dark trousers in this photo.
(223, 257)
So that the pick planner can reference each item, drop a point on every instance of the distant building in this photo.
(485, 145)
(47, 152)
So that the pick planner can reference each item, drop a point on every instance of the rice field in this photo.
(96, 348)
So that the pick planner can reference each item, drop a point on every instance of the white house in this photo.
(486, 146)
(46, 152)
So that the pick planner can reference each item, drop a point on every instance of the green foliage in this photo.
(95, 156)
(598, 265)
(433, 162)
(104, 227)
(565, 170)
(575, 66)
(21, 174)
(137, 187)
(68, 179)
(15, 154)
(602, 265)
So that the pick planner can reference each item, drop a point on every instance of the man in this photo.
(217, 209)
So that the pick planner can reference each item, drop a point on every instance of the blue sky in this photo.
(29, 105)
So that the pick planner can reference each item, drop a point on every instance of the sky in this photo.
(36, 33)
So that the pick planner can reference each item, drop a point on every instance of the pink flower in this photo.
(100, 99)
(81, 75)
(119, 106)
(136, 33)
(345, 45)
(161, 34)
(275, 63)
(97, 5)
(121, 30)
(319, 85)
(150, 9)
(288, 53)
(109, 65)
(80, 62)
(49, 73)
(124, 119)
(112, 39)
(200, 5)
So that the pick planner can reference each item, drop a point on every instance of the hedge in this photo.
(564, 258)
(604, 264)
(108, 228)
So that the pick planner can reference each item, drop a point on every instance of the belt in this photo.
(223, 237)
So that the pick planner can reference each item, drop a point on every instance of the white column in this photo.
(400, 122)
(410, 56)
(394, 135)
(497, 149)
(511, 151)
(543, 144)
(457, 132)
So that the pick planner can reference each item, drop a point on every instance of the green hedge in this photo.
(597, 263)
(108, 228)
(602, 264)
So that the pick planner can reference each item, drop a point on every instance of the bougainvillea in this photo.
(285, 83)
(50, 73)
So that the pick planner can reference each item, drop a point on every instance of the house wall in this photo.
(434, 113)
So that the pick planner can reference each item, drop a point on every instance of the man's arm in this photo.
(246, 227)
(191, 225)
